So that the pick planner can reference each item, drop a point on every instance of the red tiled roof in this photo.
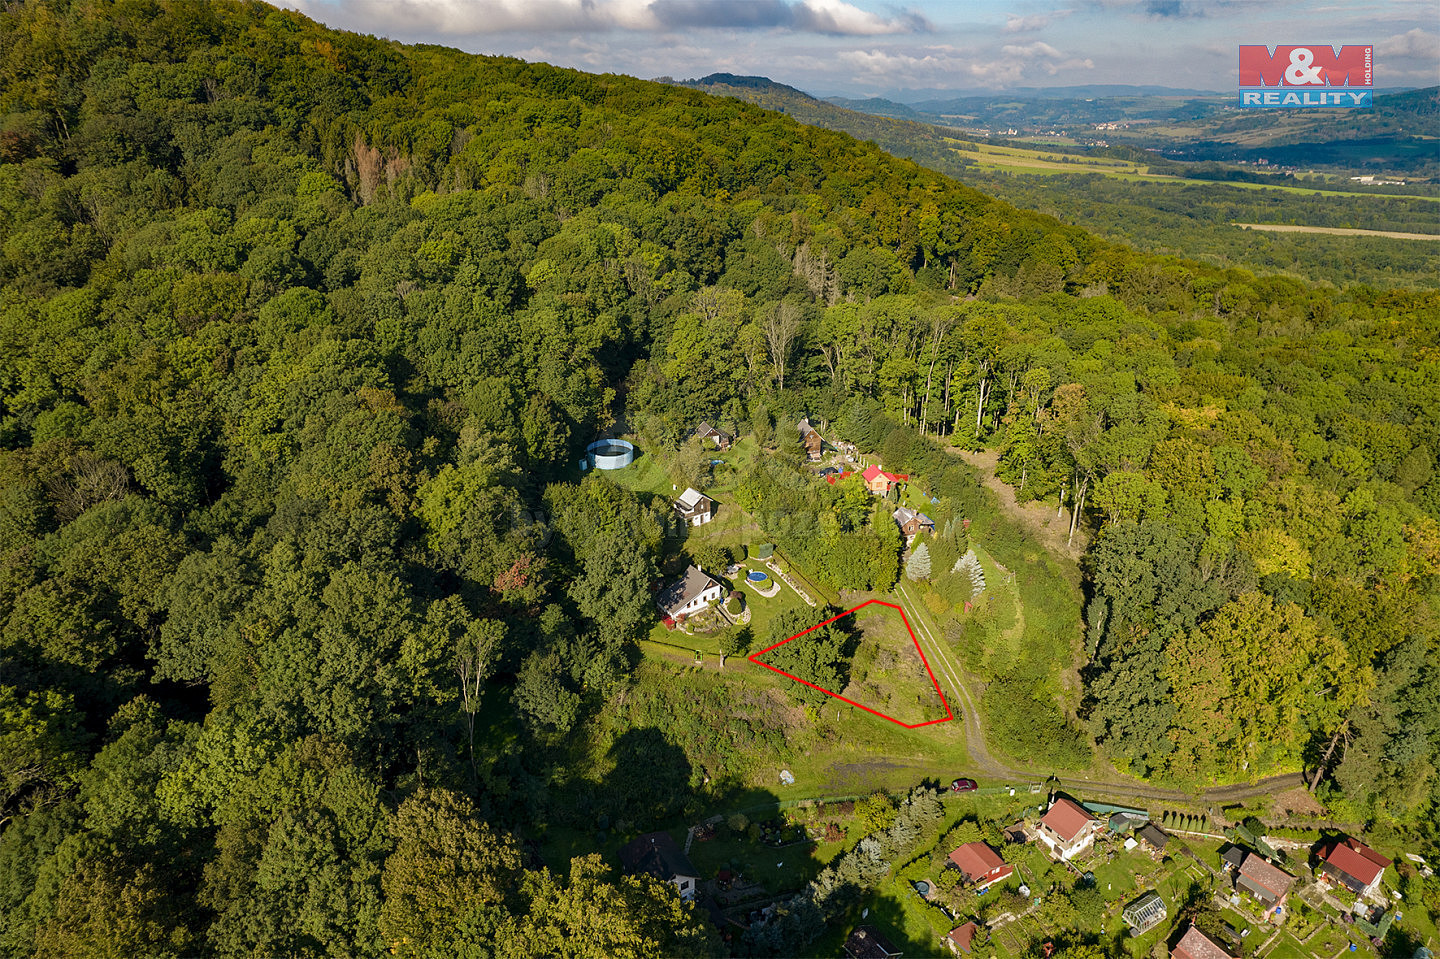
(1196, 945)
(1260, 872)
(1357, 859)
(962, 936)
(1066, 818)
(976, 860)
(834, 476)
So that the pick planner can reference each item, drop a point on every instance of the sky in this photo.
(863, 48)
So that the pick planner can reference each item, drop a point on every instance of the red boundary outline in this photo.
(949, 715)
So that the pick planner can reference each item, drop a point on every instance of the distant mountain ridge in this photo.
(743, 83)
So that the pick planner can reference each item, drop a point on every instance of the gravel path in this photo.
(964, 698)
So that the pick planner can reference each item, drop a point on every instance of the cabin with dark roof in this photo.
(658, 855)
(813, 442)
(1268, 884)
(690, 595)
(865, 942)
(1153, 836)
(709, 434)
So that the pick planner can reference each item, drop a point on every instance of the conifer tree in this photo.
(918, 566)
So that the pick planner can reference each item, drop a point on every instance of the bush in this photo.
(876, 812)
(738, 822)
(753, 832)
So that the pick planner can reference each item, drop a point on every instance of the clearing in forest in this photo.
(889, 675)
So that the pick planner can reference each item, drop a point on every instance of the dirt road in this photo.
(1335, 230)
(964, 698)
(1037, 519)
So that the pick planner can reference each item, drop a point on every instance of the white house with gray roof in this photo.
(690, 595)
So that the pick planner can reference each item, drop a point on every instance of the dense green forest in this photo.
(1192, 220)
(298, 331)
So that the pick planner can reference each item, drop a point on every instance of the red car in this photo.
(963, 786)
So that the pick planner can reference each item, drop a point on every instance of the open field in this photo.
(1336, 230)
(887, 673)
(1038, 161)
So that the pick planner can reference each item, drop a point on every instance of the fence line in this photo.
(794, 570)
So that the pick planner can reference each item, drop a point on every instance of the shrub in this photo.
(738, 822)
(947, 879)
(876, 812)
(753, 832)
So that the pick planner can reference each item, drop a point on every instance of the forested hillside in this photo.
(1175, 217)
(299, 330)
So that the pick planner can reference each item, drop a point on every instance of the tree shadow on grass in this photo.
(887, 914)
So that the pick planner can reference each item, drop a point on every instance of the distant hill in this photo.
(923, 142)
(876, 105)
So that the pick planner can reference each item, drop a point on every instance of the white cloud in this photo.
(1037, 48)
(950, 66)
(480, 17)
(1414, 43)
(1031, 22)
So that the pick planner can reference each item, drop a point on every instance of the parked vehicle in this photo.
(963, 786)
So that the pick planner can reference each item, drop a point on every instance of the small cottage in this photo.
(658, 855)
(961, 938)
(810, 439)
(1068, 829)
(692, 593)
(980, 865)
(709, 434)
(1350, 864)
(694, 507)
(912, 522)
(880, 482)
(865, 942)
(1196, 945)
(1268, 884)
(1153, 836)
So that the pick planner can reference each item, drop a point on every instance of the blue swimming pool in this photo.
(755, 576)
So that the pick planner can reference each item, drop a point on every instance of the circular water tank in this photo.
(610, 454)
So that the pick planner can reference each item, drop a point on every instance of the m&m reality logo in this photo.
(1314, 75)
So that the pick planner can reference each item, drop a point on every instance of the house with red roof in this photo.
(961, 937)
(1352, 865)
(880, 482)
(980, 865)
(1268, 884)
(1196, 945)
(1068, 829)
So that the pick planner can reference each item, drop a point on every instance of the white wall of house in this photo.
(701, 601)
(1069, 850)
